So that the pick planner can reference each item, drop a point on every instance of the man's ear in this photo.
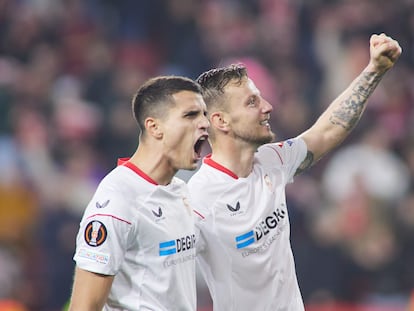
(153, 128)
(219, 121)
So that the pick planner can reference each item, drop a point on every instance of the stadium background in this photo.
(68, 69)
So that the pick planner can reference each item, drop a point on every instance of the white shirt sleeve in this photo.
(104, 232)
(288, 154)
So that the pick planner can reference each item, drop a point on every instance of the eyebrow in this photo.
(192, 112)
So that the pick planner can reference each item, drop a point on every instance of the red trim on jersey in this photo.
(209, 161)
(280, 157)
(125, 162)
(122, 161)
(198, 214)
(109, 215)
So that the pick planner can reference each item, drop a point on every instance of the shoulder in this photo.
(205, 187)
(208, 180)
(125, 181)
(116, 193)
(199, 178)
(178, 182)
(288, 145)
(281, 151)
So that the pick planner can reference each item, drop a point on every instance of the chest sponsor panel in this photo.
(264, 227)
(251, 230)
(177, 245)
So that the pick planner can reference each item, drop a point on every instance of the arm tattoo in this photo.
(350, 110)
(306, 163)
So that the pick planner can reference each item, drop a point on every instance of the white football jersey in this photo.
(244, 250)
(143, 234)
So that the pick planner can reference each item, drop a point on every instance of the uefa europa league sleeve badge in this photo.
(95, 233)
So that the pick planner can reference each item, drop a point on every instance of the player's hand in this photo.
(384, 52)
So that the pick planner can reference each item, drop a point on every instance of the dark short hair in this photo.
(215, 80)
(154, 94)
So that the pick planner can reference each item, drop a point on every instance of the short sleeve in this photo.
(103, 235)
(287, 154)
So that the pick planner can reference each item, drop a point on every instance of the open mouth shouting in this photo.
(198, 145)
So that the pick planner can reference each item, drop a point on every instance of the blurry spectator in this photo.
(370, 165)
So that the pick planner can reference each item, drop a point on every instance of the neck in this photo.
(236, 156)
(152, 163)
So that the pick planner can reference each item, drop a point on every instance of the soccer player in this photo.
(136, 243)
(244, 250)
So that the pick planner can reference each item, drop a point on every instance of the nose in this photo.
(267, 107)
(204, 123)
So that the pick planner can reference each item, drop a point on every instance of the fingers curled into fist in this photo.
(384, 51)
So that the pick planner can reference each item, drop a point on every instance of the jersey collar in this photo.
(125, 162)
(209, 161)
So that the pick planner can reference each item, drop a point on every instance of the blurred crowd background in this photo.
(68, 70)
